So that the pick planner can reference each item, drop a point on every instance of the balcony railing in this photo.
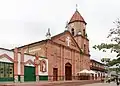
(97, 68)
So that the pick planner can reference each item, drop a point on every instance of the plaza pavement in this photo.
(52, 83)
(101, 84)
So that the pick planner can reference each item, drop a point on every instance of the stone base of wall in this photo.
(21, 78)
(15, 79)
(37, 78)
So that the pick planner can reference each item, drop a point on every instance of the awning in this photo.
(92, 72)
(84, 71)
(87, 71)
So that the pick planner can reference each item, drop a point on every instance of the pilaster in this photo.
(37, 62)
(22, 65)
(62, 63)
(73, 64)
(15, 65)
(63, 59)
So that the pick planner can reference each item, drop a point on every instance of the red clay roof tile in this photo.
(77, 17)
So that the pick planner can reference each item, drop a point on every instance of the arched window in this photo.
(72, 31)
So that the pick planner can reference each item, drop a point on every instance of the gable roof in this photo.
(6, 56)
(77, 17)
(44, 41)
(66, 31)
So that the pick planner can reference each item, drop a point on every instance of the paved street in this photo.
(94, 84)
(68, 84)
(59, 83)
(49, 83)
(100, 84)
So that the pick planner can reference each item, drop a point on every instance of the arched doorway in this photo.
(68, 71)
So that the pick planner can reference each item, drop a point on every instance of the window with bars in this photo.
(6, 70)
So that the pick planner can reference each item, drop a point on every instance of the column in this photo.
(15, 65)
(63, 63)
(36, 67)
(73, 63)
(22, 65)
(61, 68)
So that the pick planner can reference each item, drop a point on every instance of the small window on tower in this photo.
(84, 48)
(84, 32)
(72, 31)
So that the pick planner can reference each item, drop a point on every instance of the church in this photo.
(59, 57)
(67, 52)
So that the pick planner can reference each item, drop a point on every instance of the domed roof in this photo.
(77, 18)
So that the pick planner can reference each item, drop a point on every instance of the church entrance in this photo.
(55, 74)
(68, 71)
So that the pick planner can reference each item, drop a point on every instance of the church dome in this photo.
(77, 18)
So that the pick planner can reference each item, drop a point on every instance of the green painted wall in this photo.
(6, 79)
(29, 73)
(43, 78)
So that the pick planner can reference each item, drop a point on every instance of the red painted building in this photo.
(67, 52)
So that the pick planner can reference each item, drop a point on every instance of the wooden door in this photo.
(55, 74)
(68, 71)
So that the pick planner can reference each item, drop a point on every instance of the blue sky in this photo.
(27, 21)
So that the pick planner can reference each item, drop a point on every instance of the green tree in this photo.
(114, 36)
(114, 61)
(105, 61)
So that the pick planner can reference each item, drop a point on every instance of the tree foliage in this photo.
(114, 36)
(113, 62)
(105, 60)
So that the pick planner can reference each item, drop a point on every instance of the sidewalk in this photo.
(49, 83)
(101, 84)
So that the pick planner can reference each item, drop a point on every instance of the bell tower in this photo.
(77, 27)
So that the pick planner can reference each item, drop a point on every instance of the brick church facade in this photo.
(67, 52)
